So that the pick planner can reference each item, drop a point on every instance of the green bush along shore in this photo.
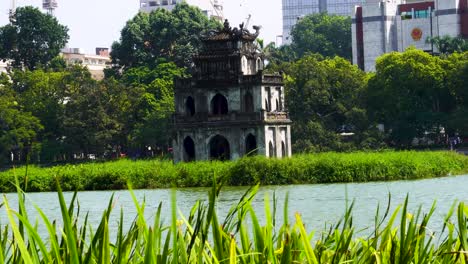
(241, 237)
(300, 169)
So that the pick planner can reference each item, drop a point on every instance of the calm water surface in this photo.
(318, 204)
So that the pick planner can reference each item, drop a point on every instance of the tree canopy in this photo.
(324, 100)
(172, 36)
(409, 95)
(33, 38)
(18, 128)
(448, 45)
(327, 35)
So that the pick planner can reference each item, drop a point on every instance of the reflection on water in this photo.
(318, 204)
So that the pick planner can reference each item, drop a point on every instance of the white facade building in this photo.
(380, 27)
(96, 63)
(3, 66)
(294, 10)
(212, 8)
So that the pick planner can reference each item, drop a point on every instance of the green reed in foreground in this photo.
(202, 237)
(300, 169)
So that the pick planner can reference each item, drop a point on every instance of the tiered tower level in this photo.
(230, 108)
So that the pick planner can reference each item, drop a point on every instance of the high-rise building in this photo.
(294, 10)
(380, 27)
(212, 8)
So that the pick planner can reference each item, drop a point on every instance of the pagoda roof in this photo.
(231, 34)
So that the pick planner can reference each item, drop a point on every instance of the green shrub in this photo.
(300, 169)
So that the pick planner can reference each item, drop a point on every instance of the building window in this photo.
(219, 105)
(283, 149)
(259, 65)
(421, 14)
(219, 148)
(268, 100)
(280, 95)
(190, 106)
(248, 102)
(153, 3)
(245, 65)
(271, 150)
(250, 145)
(189, 149)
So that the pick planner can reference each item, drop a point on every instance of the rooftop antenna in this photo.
(50, 6)
(11, 14)
(218, 9)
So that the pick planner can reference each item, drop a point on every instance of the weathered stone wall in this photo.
(202, 137)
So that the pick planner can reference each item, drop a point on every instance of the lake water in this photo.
(318, 204)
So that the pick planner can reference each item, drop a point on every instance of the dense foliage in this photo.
(172, 36)
(400, 236)
(448, 45)
(322, 33)
(52, 112)
(310, 168)
(324, 98)
(416, 95)
(33, 39)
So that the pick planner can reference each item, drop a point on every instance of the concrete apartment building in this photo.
(96, 63)
(394, 25)
(294, 10)
(212, 8)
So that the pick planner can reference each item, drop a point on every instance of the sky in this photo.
(97, 23)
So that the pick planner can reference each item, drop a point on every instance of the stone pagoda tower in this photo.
(230, 108)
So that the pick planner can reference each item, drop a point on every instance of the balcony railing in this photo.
(233, 117)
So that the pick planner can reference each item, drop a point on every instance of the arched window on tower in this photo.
(189, 149)
(189, 106)
(248, 102)
(259, 65)
(250, 145)
(245, 65)
(268, 103)
(219, 105)
(271, 150)
(219, 148)
(283, 149)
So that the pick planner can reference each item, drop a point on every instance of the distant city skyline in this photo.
(98, 23)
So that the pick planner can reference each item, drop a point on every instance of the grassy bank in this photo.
(201, 237)
(311, 168)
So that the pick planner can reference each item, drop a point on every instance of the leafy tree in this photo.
(89, 126)
(279, 58)
(324, 100)
(18, 129)
(33, 39)
(154, 109)
(174, 36)
(448, 45)
(456, 66)
(45, 94)
(328, 35)
(407, 94)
